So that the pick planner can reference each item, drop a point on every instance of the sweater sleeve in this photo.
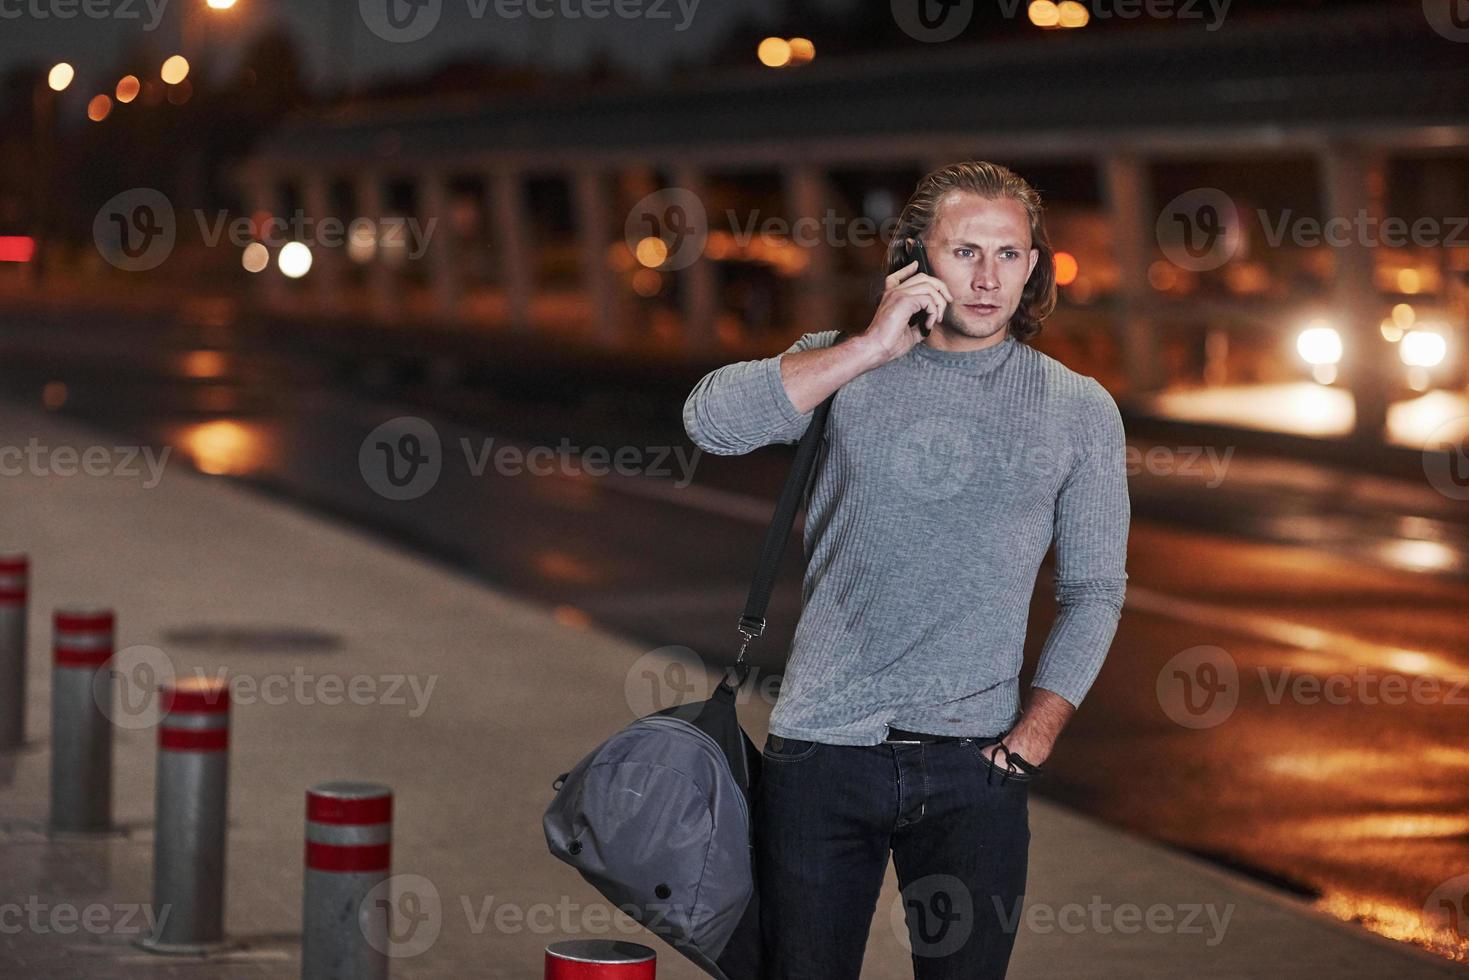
(1091, 528)
(743, 406)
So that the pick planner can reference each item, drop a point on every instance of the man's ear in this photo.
(1035, 256)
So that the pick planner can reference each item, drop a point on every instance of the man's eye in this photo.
(964, 253)
(1010, 253)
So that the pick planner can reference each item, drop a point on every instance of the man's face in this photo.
(981, 249)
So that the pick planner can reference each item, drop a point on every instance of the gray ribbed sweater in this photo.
(943, 478)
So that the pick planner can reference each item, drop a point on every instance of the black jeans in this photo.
(827, 817)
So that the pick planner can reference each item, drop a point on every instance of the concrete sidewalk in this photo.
(468, 703)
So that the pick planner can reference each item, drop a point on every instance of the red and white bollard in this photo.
(349, 841)
(191, 809)
(81, 730)
(600, 959)
(14, 575)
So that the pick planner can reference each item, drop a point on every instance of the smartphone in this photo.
(909, 253)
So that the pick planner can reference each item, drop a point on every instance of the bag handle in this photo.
(752, 622)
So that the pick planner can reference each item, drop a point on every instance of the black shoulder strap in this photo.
(752, 623)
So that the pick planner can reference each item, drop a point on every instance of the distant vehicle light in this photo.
(1422, 348)
(1319, 344)
(17, 248)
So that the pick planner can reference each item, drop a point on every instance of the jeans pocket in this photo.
(779, 749)
(997, 771)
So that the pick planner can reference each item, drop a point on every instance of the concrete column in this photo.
(326, 264)
(382, 281)
(1348, 174)
(593, 219)
(433, 209)
(807, 195)
(699, 295)
(264, 196)
(510, 233)
(1127, 192)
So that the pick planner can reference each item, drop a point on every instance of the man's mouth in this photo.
(983, 309)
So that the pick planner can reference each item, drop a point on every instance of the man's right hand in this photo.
(905, 293)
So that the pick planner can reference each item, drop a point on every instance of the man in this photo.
(949, 467)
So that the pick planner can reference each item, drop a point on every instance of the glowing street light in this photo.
(774, 52)
(294, 260)
(60, 77)
(128, 88)
(175, 69)
(221, 4)
(99, 108)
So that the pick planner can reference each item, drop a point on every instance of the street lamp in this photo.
(60, 77)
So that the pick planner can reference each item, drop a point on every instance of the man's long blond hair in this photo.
(995, 182)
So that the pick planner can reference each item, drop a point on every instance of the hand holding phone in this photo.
(917, 252)
(912, 297)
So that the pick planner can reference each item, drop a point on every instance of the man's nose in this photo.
(985, 278)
